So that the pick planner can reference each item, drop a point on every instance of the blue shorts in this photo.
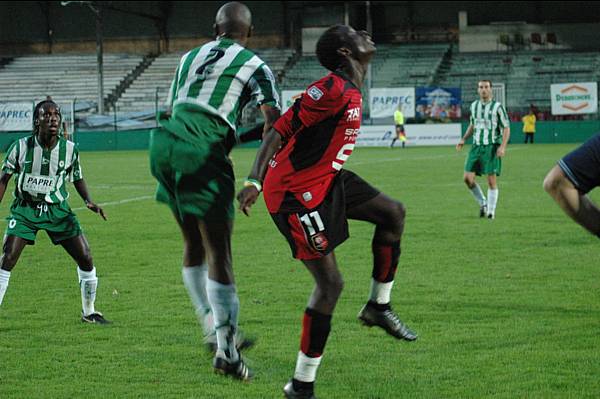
(582, 166)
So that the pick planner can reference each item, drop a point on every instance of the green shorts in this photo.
(482, 160)
(27, 218)
(194, 177)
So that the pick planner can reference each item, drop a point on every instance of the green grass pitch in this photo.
(504, 309)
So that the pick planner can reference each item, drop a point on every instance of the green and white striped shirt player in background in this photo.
(189, 156)
(490, 127)
(42, 163)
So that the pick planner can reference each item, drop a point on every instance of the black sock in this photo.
(382, 307)
(302, 386)
(315, 331)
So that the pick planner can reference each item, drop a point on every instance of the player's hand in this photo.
(500, 152)
(96, 209)
(460, 145)
(247, 197)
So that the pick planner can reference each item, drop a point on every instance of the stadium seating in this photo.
(393, 66)
(156, 79)
(527, 75)
(64, 77)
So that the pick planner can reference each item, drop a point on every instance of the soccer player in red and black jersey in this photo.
(310, 196)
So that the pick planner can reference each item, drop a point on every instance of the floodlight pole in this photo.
(96, 8)
(99, 56)
(369, 70)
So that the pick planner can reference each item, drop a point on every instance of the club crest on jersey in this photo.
(307, 196)
(353, 114)
(319, 242)
(314, 93)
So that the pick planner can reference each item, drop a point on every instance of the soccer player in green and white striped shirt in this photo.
(490, 128)
(189, 156)
(42, 163)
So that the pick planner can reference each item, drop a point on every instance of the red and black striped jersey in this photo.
(319, 132)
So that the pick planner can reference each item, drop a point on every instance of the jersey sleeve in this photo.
(320, 101)
(11, 160)
(472, 116)
(74, 172)
(172, 89)
(264, 87)
(503, 120)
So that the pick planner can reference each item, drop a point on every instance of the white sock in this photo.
(4, 277)
(225, 307)
(492, 200)
(306, 367)
(194, 279)
(380, 292)
(478, 194)
(88, 282)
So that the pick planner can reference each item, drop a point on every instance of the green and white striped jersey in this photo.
(488, 120)
(40, 173)
(221, 77)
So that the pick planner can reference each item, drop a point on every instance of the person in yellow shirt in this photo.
(399, 120)
(529, 126)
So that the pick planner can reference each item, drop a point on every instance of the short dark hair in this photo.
(330, 41)
(38, 106)
(485, 80)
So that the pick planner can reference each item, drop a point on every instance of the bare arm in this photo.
(4, 179)
(271, 143)
(576, 205)
(505, 137)
(467, 135)
(82, 190)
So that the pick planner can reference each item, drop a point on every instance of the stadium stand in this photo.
(407, 65)
(156, 79)
(393, 66)
(527, 75)
(64, 77)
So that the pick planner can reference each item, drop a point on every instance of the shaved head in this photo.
(233, 20)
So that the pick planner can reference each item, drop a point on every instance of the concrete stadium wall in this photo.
(547, 132)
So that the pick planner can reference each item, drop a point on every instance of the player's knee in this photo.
(398, 214)
(552, 182)
(334, 289)
(468, 181)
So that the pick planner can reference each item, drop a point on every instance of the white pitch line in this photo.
(145, 197)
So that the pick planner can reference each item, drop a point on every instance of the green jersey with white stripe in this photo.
(489, 120)
(221, 77)
(41, 173)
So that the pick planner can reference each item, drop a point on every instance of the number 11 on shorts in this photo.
(306, 219)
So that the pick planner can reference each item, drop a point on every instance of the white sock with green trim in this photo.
(492, 201)
(88, 282)
(225, 306)
(194, 279)
(478, 194)
(4, 277)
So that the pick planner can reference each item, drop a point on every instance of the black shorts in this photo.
(314, 233)
(582, 166)
(401, 127)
